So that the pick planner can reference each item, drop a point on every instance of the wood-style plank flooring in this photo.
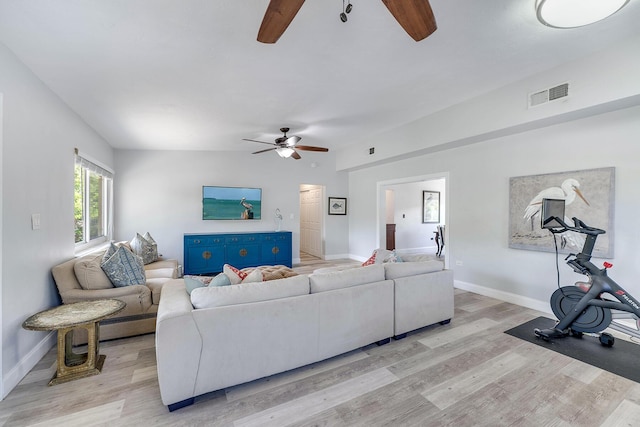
(467, 373)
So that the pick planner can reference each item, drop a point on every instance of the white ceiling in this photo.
(190, 75)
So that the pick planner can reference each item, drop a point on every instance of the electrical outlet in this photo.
(372, 150)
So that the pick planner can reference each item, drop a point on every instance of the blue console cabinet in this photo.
(207, 253)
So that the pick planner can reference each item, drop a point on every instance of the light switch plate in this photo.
(35, 221)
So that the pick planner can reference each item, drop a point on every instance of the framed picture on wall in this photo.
(337, 206)
(430, 207)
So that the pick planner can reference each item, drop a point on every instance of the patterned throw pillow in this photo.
(110, 251)
(124, 268)
(371, 260)
(235, 276)
(145, 247)
(254, 276)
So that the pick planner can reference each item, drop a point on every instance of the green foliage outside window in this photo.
(95, 207)
(78, 204)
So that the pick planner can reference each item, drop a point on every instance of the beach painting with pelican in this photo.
(231, 203)
(588, 195)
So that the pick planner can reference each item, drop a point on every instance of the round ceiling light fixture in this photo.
(575, 13)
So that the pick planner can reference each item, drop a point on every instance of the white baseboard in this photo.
(527, 302)
(27, 363)
(338, 256)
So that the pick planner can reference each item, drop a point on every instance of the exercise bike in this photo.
(584, 308)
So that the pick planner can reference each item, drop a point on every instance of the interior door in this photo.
(311, 220)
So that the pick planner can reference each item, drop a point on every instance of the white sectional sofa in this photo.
(218, 337)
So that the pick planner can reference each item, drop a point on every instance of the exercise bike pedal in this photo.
(550, 333)
(606, 339)
(575, 334)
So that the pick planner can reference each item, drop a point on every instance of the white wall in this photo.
(39, 135)
(601, 82)
(1, 245)
(478, 196)
(161, 192)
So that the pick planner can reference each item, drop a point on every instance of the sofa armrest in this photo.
(423, 300)
(178, 344)
(162, 268)
(136, 297)
(75, 295)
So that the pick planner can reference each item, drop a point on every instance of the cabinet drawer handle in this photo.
(243, 252)
(196, 242)
(206, 254)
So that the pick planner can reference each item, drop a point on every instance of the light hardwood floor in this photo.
(467, 373)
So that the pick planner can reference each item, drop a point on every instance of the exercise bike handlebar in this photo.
(579, 227)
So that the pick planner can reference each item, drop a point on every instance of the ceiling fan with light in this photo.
(415, 16)
(286, 146)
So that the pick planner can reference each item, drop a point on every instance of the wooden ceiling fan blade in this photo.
(295, 155)
(311, 148)
(261, 142)
(264, 151)
(277, 18)
(415, 16)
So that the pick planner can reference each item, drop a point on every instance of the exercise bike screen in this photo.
(551, 209)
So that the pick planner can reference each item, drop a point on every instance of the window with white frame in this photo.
(92, 208)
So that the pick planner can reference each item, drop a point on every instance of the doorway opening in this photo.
(402, 222)
(311, 221)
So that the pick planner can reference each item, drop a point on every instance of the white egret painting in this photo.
(588, 196)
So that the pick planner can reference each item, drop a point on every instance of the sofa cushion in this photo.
(404, 269)
(219, 296)
(419, 257)
(155, 285)
(163, 264)
(145, 247)
(124, 268)
(89, 273)
(164, 273)
(322, 282)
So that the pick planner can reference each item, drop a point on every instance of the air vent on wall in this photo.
(550, 94)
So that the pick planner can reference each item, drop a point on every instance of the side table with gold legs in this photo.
(65, 319)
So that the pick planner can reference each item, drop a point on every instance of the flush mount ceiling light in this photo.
(575, 13)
